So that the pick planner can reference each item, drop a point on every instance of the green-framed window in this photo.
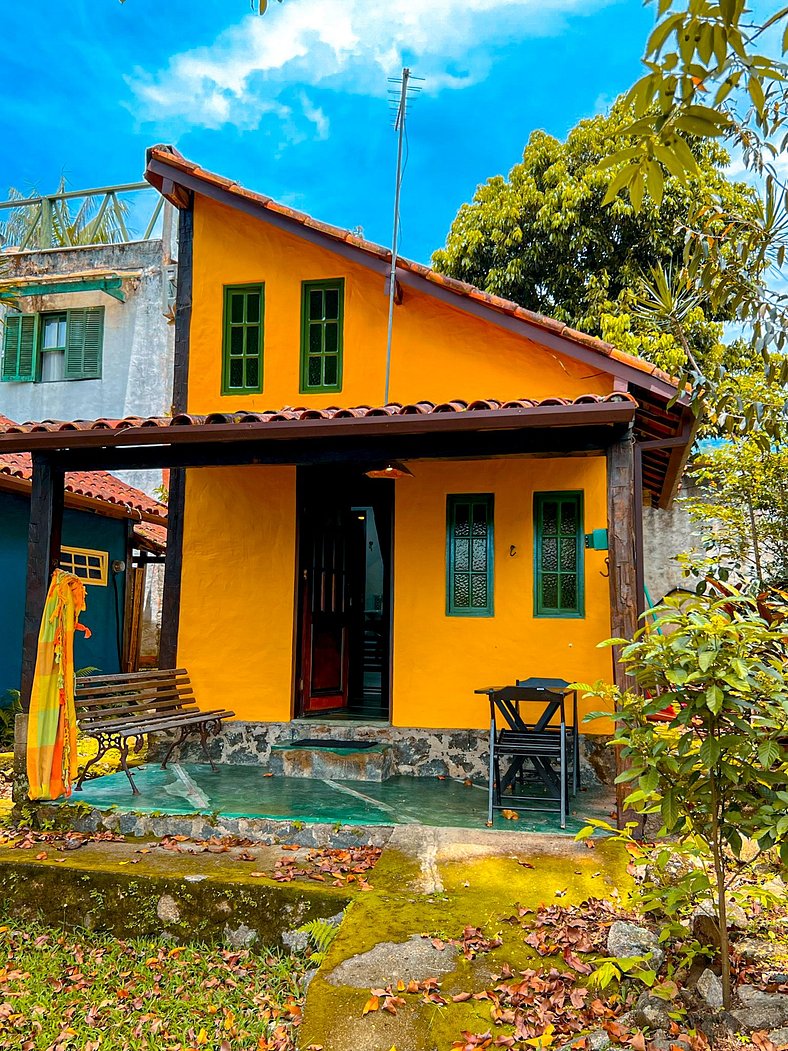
(558, 554)
(469, 555)
(55, 345)
(20, 333)
(242, 347)
(322, 317)
(84, 342)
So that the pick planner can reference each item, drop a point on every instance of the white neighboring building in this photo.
(89, 335)
(92, 337)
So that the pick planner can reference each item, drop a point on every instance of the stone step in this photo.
(333, 760)
(185, 894)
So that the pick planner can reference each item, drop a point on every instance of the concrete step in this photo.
(182, 891)
(333, 760)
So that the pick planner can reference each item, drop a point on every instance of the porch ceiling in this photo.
(362, 434)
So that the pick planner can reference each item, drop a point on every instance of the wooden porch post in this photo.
(622, 562)
(171, 599)
(43, 557)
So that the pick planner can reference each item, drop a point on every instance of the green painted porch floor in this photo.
(245, 792)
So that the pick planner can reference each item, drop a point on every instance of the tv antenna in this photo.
(398, 99)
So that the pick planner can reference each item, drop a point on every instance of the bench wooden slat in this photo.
(133, 728)
(132, 676)
(103, 715)
(138, 699)
(148, 686)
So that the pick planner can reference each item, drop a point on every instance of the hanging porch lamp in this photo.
(391, 469)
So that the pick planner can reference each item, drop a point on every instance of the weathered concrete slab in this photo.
(389, 962)
(435, 882)
(180, 896)
(376, 763)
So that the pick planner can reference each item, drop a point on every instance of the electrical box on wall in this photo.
(596, 540)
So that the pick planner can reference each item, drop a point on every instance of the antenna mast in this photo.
(399, 127)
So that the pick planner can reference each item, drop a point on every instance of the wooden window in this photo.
(84, 343)
(322, 314)
(242, 368)
(19, 348)
(61, 345)
(52, 347)
(90, 566)
(558, 554)
(469, 555)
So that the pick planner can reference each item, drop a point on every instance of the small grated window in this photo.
(558, 554)
(469, 555)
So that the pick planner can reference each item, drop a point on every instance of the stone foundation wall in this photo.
(417, 752)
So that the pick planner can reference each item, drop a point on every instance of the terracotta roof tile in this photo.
(99, 486)
(151, 537)
(169, 155)
(271, 416)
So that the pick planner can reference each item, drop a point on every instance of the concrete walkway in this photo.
(430, 884)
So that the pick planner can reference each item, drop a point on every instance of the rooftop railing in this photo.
(72, 218)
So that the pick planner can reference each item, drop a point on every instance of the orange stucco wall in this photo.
(440, 660)
(237, 620)
(237, 603)
(438, 352)
(237, 589)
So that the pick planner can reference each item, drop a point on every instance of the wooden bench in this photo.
(119, 709)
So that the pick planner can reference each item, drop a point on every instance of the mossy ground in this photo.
(481, 891)
(111, 887)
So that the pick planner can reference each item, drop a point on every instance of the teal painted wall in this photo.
(80, 529)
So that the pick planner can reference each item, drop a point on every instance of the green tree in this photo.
(542, 238)
(716, 774)
(717, 71)
(740, 505)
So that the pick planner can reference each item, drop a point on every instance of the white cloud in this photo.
(352, 45)
(315, 115)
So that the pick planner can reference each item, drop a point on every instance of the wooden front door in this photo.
(326, 609)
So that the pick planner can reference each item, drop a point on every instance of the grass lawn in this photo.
(82, 992)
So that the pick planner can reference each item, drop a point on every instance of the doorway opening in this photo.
(345, 536)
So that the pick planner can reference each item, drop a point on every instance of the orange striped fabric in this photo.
(52, 725)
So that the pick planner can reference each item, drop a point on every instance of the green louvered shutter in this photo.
(84, 337)
(19, 348)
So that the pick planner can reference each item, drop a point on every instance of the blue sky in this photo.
(294, 104)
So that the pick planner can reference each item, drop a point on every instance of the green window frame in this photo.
(242, 345)
(82, 348)
(322, 324)
(84, 343)
(469, 555)
(559, 570)
(20, 338)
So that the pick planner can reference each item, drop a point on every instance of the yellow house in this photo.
(368, 527)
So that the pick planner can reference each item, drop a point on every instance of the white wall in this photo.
(138, 341)
(137, 358)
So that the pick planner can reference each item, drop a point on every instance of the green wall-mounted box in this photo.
(596, 540)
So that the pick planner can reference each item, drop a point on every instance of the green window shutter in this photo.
(84, 339)
(558, 555)
(469, 555)
(242, 345)
(19, 348)
(322, 323)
